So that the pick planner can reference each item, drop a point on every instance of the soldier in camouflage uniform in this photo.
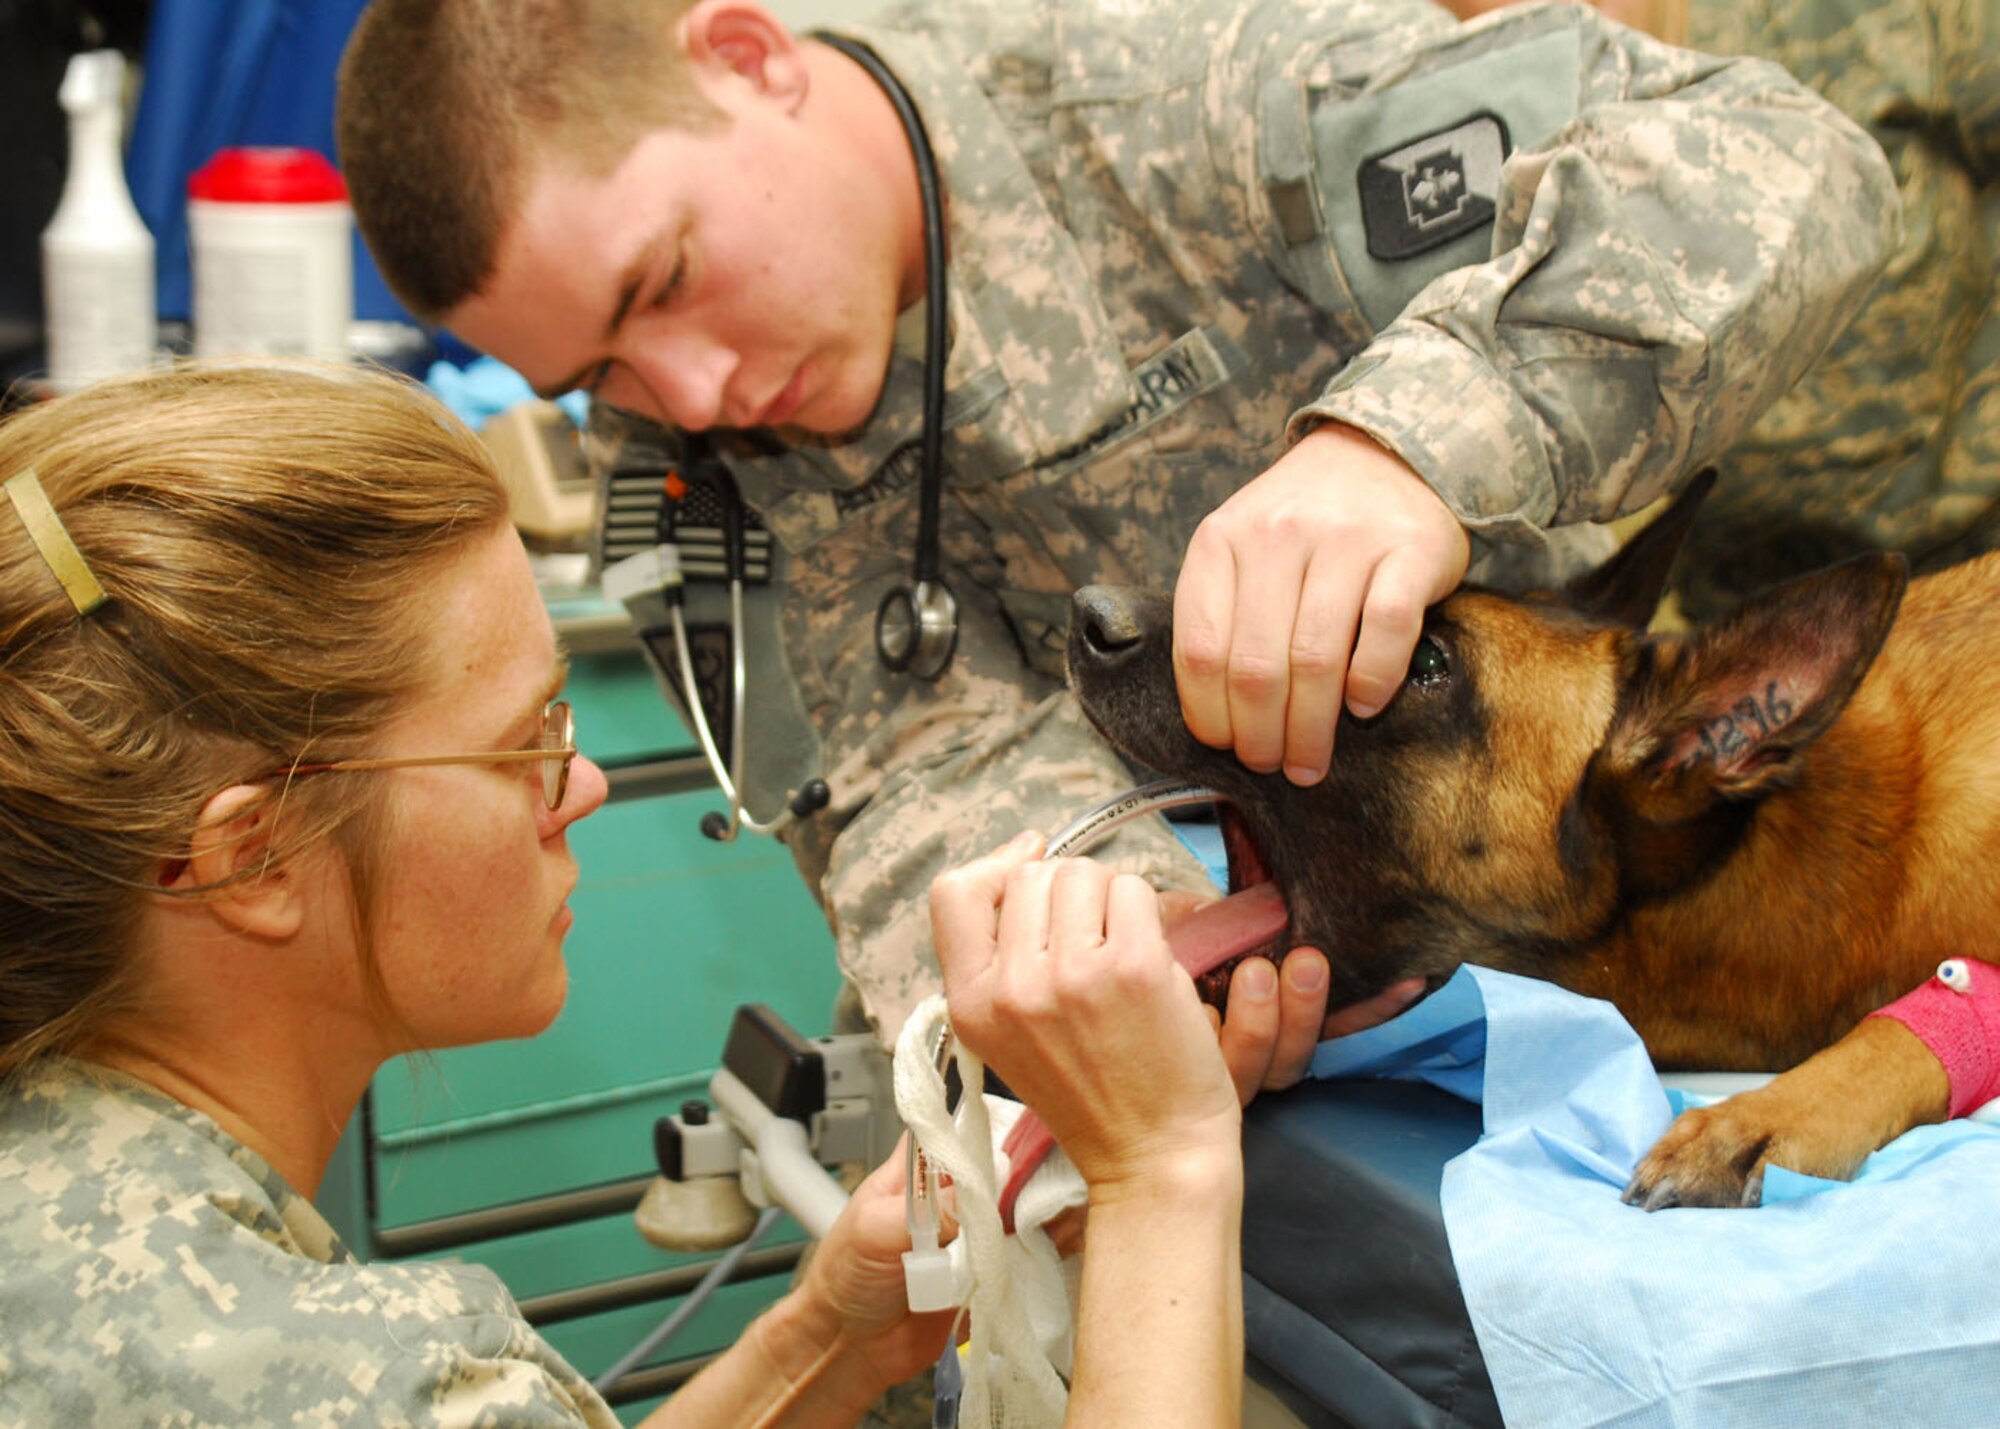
(210, 577)
(1891, 441)
(1226, 272)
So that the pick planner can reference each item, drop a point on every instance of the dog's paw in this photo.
(1715, 1155)
(1705, 1159)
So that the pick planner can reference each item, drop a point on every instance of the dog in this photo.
(1745, 837)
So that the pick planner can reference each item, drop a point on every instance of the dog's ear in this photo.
(1626, 589)
(1711, 722)
(1718, 715)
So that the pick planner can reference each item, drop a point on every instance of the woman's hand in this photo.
(1058, 976)
(1277, 1013)
(827, 1351)
(854, 1288)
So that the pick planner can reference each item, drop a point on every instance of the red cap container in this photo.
(268, 175)
(270, 236)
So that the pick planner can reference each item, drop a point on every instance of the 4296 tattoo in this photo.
(1749, 722)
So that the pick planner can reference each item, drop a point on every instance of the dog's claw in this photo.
(1658, 1195)
(1753, 1188)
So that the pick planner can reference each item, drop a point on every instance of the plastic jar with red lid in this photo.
(270, 240)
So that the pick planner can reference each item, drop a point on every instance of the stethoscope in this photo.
(916, 625)
(814, 794)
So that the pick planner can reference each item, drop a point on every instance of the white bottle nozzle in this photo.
(97, 256)
(94, 79)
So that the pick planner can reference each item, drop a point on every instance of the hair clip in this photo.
(51, 538)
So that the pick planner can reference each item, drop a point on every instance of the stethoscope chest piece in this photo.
(916, 629)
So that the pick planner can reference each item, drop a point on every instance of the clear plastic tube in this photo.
(1091, 828)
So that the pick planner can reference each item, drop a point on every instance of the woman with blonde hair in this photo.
(285, 778)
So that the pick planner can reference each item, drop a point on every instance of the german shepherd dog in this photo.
(1745, 837)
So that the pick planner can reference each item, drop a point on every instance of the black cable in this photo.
(929, 562)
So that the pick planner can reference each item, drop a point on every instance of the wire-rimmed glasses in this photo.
(555, 746)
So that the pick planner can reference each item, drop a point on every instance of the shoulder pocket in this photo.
(1409, 177)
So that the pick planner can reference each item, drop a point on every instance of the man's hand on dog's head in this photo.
(1305, 589)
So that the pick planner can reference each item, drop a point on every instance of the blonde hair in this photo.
(261, 532)
(442, 104)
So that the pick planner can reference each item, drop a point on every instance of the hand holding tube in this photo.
(1058, 975)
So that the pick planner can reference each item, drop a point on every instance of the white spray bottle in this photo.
(97, 257)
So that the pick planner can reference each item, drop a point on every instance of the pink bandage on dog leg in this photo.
(1957, 1015)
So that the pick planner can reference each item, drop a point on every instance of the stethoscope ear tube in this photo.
(916, 624)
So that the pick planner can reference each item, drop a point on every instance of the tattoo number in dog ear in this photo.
(1748, 722)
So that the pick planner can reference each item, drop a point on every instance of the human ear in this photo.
(232, 856)
(742, 39)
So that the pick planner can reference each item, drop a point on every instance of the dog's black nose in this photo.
(1108, 620)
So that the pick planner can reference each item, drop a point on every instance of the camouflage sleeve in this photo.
(479, 1381)
(160, 1272)
(1664, 262)
(927, 776)
(1969, 53)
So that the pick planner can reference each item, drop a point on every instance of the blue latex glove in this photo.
(488, 387)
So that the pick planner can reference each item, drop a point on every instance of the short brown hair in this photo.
(263, 535)
(443, 104)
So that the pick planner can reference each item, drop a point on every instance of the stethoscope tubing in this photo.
(916, 625)
(928, 565)
(932, 610)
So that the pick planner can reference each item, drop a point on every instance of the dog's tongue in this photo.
(1252, 921)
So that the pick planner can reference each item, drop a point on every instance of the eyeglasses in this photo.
(555, 747)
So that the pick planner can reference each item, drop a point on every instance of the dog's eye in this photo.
(1428, 662)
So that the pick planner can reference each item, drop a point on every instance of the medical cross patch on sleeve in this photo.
(1430, 190)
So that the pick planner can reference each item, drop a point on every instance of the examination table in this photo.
(1352, 1311)
(1857, 1304)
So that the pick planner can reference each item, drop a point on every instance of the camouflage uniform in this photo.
(1892, 440)
(159, 1272)
(1180, 233)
